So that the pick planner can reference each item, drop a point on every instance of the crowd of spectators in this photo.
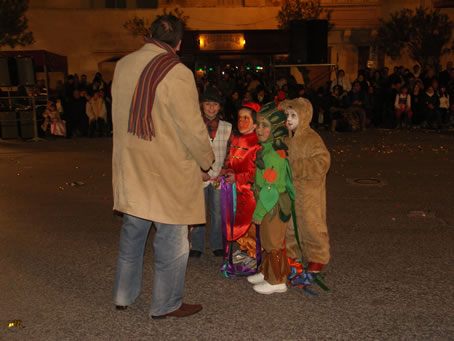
(84, 107)
(375, 99)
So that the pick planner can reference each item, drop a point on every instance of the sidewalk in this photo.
(390, 217)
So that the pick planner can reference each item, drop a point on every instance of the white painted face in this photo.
(292, 119)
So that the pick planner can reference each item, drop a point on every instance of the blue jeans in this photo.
(171, 249)
(213, 198)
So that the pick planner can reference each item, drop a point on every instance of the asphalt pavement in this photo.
(391, 221)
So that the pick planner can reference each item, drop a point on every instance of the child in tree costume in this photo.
(239, 169)
(274, 192)
(310, 161)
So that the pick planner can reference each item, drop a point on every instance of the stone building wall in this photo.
(93, 37)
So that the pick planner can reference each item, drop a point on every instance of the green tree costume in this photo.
(274, 192)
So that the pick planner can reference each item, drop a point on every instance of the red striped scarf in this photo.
(140, 114)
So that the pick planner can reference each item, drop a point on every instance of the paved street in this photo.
(391, 220)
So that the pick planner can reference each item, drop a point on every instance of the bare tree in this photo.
(13, 23)
(301, 10)
(424, 33)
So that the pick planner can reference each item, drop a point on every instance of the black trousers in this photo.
(97, 128)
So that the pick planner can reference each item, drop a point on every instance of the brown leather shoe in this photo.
(183, 311)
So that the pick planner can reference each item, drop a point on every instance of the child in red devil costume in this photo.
(239, 169)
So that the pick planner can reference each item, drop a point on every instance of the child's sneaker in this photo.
(257, 278)
(267, 288)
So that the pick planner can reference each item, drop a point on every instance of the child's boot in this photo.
(313, 267)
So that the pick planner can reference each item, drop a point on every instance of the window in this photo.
(115, 3)
(147, 3)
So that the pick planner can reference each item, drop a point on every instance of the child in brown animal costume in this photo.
(309, 160)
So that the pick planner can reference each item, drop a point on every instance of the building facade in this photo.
(91, 33)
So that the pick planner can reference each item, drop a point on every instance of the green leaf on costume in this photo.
(269, 196)
(259, 159)
(285, 205)
(288, 182)
(280, 132)
(283, 217)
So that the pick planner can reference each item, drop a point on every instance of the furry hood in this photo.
(303, 107)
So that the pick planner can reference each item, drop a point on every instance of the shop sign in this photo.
(221, 41)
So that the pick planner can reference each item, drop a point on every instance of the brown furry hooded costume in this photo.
(309, 160)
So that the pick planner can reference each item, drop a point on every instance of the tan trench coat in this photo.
(159, 180)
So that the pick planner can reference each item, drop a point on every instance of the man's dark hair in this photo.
(168, 29)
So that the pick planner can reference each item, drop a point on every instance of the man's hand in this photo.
(205, 176)
(230, 178)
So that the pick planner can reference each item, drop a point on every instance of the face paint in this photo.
(211, 109)
(263, 129)
(292, 119)
(245, 122)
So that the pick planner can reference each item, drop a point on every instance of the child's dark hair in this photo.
(253, 113)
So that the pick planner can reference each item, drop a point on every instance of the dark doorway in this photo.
(363, 56)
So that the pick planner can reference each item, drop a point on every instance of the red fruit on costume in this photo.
(270, 175)
(281, 153)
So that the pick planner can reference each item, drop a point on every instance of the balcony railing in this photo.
(347, 3)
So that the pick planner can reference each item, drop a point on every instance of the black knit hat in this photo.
(211, 95)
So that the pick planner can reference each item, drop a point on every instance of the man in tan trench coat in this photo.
(156, 171)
